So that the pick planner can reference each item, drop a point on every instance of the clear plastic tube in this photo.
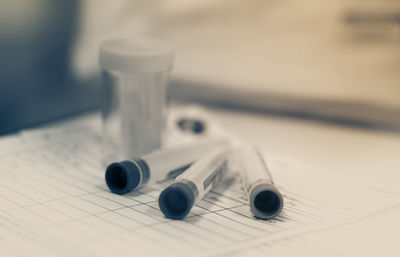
(177, 200)
(122, 177)
(265, 200)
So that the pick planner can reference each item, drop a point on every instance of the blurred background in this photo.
(336, 61)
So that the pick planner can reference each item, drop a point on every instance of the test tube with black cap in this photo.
(177, 200)
(266, 202)
(122, 177)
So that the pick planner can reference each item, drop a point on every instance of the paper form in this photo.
(54, 202)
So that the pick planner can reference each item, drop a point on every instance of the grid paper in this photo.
(53, 201)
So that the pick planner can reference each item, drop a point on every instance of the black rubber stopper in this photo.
(122, 177)
(267, 202)
(176, 201)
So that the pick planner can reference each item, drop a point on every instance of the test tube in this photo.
(177, 200)
(265, 200)
(134, 85)
(122, 177)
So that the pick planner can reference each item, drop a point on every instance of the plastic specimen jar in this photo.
(134, 83)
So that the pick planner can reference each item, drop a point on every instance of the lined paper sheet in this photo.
(54, 202)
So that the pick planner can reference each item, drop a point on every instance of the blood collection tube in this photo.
(122, 177)
(177, 200)
(265, 200)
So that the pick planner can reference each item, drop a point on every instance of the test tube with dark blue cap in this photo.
(191, 186)
(265, 200)
(122, 177)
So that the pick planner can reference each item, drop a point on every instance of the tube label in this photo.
(213, 177)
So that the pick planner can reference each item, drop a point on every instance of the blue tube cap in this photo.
(176, 201)
(266, 202)
(122, 177)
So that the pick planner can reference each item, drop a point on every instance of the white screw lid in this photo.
(136, 55)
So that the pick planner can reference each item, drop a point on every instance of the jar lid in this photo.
(136, 55)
